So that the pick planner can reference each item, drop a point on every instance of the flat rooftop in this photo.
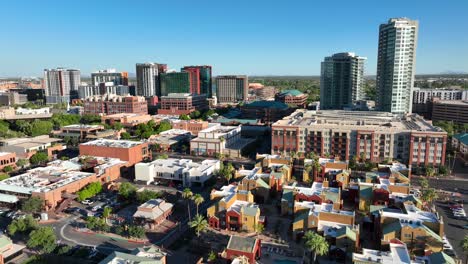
(110, 143)
(453, 102)
(4, 153)
(82, 126)
(355, 120)
(57, 174)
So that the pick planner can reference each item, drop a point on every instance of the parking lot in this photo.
(455, 227)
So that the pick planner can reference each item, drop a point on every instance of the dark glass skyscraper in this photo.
(200, 79)
(173, 82)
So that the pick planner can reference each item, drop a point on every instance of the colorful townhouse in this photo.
(235, 210)
(318, 193)
(420, 230)
(337, 226)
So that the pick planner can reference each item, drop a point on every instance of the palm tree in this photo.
(429, 195)
(316, 243)
(464, 246)
(187, 195)
(198, 199)
(430, 171)
(199, 223)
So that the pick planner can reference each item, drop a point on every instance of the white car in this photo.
(87, 202)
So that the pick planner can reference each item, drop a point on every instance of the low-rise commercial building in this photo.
(181, 170)
(143, 255)
(153, 213)
(7, 159)
(59, 179)
(115, 104)
(170, 140)
(377, 136)
(83, 133)
(12, 98)
(130, 151)
(194, 126)
(292, 97)
(267, 111)
(450, 111)
(126, 119)
(26, 147)
(398, 254)
(9, 250)
(182, 103)
(215, 139)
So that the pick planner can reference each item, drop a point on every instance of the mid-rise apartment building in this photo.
(109, 75)
(376, 136)
(341, 80)
(109, 104)
(182, 103)
(396, 63)
(85, 91)
(232, 88)
(59, 83)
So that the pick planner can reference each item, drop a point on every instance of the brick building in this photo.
(7, 159)
(182, 103)
(60, 178)
(126, 119)
(153, 213)
(267, 111)
(130, 151)
(292, 97)
(194, 126)
(114, 104)
(375, 136)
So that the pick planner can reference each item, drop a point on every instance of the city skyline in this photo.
(251, 38)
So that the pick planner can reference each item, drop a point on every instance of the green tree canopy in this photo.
(89, 191)
(147, 195)
(199, 223)
(38, 158)
(184, 117)
(42, 239)
(136, 231)
(40, 127)
(22, 225)
(32, 205)
(127, 190)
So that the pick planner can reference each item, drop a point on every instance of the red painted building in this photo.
(7, 159)
(194, 77)
(249, 247)
(131, 151)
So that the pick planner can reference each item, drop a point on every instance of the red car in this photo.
(455, 206)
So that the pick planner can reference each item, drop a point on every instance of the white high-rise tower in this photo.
(396, 65)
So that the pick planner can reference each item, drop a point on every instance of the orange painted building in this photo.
(194, 126)
(130, 151)
(7, 159)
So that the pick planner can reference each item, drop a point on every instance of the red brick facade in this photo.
(132, 154)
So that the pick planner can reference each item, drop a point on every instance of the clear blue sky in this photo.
(235, 37)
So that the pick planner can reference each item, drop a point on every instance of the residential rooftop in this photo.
(398, 254)
(324, 119)
(242, 244)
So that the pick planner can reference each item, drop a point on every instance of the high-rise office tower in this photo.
(341, 80)
(174, 82)
(147, 78)
(109, 75)
(59, 83)
(396, 65)
(232, 88)
(200, 79)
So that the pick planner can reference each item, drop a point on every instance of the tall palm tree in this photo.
(198, 199)
(464, 246)
(316, 243)
(199, 223)
(187, 195)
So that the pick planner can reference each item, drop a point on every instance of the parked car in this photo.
(455, 206)
(87, 202)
